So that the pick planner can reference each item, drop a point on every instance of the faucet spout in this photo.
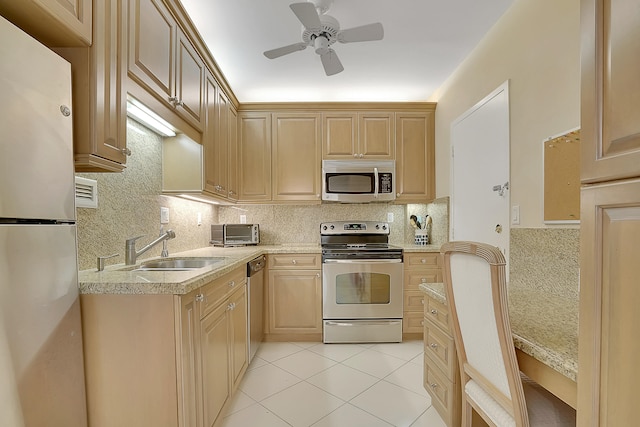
(130, 252)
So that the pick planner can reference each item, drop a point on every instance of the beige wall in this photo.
(536, 46)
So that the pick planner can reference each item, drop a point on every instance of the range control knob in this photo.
(384, 227)
(333, 226)
(377, 226)
(324, 227)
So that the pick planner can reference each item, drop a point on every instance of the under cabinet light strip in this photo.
(139, 112)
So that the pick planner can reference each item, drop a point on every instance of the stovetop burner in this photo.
(357, 240)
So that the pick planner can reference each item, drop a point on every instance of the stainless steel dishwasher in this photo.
(255, 290)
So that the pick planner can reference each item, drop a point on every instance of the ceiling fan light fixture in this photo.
(321, 45)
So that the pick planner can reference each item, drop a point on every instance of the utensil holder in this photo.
(421, 237)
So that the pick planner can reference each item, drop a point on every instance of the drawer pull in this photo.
(199, 298)
(433, 345)
(231, 306)
(294, 261)
(232, 283)
(422, 301)
(423, 279)
(423, 260)
(434, 311)
(433, 386)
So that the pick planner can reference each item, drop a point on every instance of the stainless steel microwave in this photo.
(235, 234)
(358, 181)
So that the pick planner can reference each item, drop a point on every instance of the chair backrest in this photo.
(475, 283)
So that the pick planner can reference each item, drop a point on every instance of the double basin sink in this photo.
(177, 264)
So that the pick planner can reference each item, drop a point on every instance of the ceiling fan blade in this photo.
(331, 62)
(307, 14)
(284, 50)
(363, 33)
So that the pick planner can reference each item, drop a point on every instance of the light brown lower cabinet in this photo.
(419, 267)
(165, 360)
(441, 372)
(294, 297)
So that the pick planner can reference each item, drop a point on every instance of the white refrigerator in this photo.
(41, 359)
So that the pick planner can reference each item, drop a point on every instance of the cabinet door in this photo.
(294, 302)
(415, 157)
(254, 156)
(609, 299)
(222, 163)
(232, 180)
(239, 338)
(188, 401)
(296, 157)
(190, 70)
(52, 22)
(210, 141)
(610, 94)
(215, 333)
(99, 92)
(152, 47)
(339, 135)
(376, 135)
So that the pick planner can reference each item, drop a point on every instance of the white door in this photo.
(480, 172)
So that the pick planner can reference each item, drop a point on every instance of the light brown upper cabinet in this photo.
(62, 23)
(254, 156)
(163, 60)
(610, 90)
(220, 142)
(358, 135)
(99, 76)
(609, 213)
(296, 157)
(415, 157)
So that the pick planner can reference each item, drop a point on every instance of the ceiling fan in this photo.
(321, 31)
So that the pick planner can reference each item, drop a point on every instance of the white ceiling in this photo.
(424, 41)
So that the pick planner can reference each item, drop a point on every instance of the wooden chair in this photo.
(475, 285)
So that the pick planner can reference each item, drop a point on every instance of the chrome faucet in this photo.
(131, 254)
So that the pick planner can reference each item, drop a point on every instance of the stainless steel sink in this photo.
(178, 264)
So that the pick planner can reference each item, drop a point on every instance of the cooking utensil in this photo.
(414, 222)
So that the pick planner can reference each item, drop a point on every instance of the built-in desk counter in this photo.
(545, 334)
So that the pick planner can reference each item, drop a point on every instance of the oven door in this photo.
(362, 289)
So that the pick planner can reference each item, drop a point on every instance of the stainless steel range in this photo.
(362, 285)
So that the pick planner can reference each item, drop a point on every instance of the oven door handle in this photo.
(361, 261)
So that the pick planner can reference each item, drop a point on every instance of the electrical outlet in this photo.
(243, 219)
(389, 216)
(515, 214)
(164, 215)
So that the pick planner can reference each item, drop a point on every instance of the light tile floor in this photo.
(334, 385)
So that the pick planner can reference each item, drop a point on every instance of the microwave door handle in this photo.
(375, 177)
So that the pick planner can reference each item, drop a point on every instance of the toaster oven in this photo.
(235, 234)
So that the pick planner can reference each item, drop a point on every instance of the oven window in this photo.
(363, 288)
(350, 183)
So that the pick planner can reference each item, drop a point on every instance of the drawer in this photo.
(440, 348)
(421, 259)
(443, 393)
(294, 261)
(414, 301)
(216, 291)
(412, 322)
(437, 313)
(413, 278)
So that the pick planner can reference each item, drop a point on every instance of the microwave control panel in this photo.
(385, 182)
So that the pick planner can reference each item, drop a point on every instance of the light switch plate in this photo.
(164, 215)
(515, 214)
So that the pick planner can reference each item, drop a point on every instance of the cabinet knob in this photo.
(433, 345)
(199, 298)
(231, 192)
(433, 386)
(317, 274)
(422, 301)
(126, 151)
(397, 194)
(423, 279)
(361, 155)
(173, 100)
(294, 261)
(232, 283)
(423, 260)
(434, 312)
(355, 155)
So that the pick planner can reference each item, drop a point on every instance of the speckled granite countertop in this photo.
(542, 327)
(121, 279)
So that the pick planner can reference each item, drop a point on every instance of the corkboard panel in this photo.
(562, 177)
